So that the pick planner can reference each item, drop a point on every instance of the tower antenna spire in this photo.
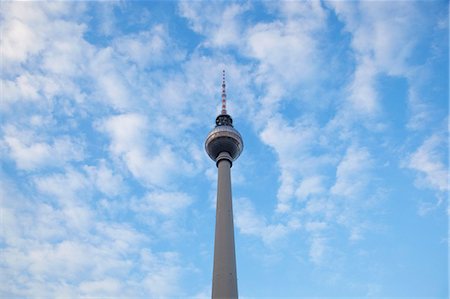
(224, 94)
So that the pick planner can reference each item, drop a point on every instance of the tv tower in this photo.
(224, 145)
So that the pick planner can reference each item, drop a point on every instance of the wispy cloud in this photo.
(249, 222)
(382, 45)
(31, 152)
(75, 247)
(220, 23)
(352, 172)
(129, 135)
(430, 163)
(165, 203)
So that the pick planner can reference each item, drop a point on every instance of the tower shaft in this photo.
(224, 273)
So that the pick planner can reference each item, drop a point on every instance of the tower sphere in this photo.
(224, 138)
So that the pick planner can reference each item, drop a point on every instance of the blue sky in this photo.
(341, 191)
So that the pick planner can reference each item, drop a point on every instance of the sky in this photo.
(341, 190)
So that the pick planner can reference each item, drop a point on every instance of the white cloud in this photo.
(246, 218)
(221, 24)
(109, 75)
(66, 50)
(23, 87)
(163, 274)
(164, 203)
(419, 109)
(43, 59)
(287, 52)
(67, 192)
(293, 145)
(29, 28)
(157, 170)
(307, 156)
(382, 39)
(352, 172)
(428, 161)
(310, 186)
(61, 62)
(103, 287)
(31, 152)
(148, 48)
(128, 133)
(150, 159)
(287, 48)
(317, 249)
(19, 38)
(321, 206)
(363, 91)
(311, 12)
(315, 226)
(275, 232)
(107, 181)
(249, 222)
(40, 92)
(107, 24)
(282, 51)
(53, 250)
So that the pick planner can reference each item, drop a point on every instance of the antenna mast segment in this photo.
(224, 94)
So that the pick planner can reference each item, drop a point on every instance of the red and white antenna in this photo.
(224, 94)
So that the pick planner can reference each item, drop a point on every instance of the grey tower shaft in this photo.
(224, 273)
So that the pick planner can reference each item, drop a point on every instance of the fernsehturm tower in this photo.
(224, 145)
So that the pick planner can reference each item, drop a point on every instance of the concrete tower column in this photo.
(224, 273)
